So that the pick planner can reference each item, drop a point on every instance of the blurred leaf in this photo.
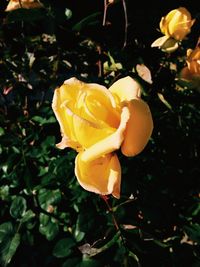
(47, 227)
(63, 247)
(89, 20)
(193, 231)
(9, 242)
(28, 215)
(2, 132)
(43, 121)
(68, 13)
(4, 192)
(9, 248)
(48, 197)
(165, 102)
(18, 207)
(5, 229)
(72, 262)
(87, 262)
(78, 235)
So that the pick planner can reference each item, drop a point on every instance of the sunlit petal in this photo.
(88, 133)
(110, 143)
(63, 115)
(139, 128)
(126, 89)
(101, 176)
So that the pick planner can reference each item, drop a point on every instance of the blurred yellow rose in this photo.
(175, 26)
(96, 121)
(177, 23)
(191, 73)
(16, 4)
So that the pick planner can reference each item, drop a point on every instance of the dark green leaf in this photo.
(91, 19)
(18, 207)
(9, 247)
(50, 230)
(72, 262)
(49, 197)
(28, 215)
(6, 229)
(63, 247)
(193, 231)
(87, 262)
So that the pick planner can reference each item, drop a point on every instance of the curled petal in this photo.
(88, 133)
(126, 89)
(139, 128)
(101, 176)
(110, 143)
(66, 142)
(90, 101)
(64, 117)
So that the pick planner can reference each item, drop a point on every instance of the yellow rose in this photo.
(177, 23)
(96, 121)
(191, 72)
(16, 4)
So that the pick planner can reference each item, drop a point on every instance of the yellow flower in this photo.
(191, 73)
(16, 4)
(96, 121)
(175, 26)
(177, 23)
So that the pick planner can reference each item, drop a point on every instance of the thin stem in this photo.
(104, 13)
(125, 23)
(105, 198)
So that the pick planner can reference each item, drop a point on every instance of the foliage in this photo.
(46, 218)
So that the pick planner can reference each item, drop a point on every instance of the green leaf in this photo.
(5, 229)
(18, 207)
(49, 197)
(2, 132)
(87, 262)
(63, 247)
(133, 256)
(28, 215)
(193, 231)
(78, 235)
(42, 120)
(10, 248)
(4, 192)
(47, 227)
(9, 242)
(89, 20)
(73, 262)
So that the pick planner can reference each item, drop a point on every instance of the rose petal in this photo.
(126, 89)
(110, 143)
(101, 176)
(87, 133)
(139, 128)
(90, 101)
(63, 116)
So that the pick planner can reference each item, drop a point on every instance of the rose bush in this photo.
(96, 121)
